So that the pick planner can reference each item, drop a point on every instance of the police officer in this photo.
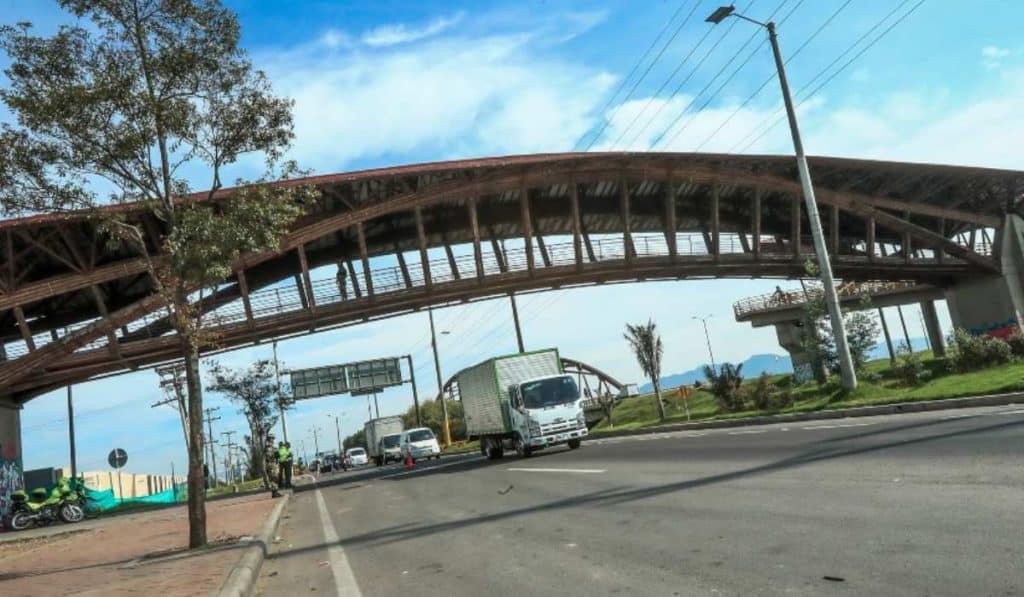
(270, 472)
(284, 461)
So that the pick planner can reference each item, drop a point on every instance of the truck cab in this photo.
(546, 411)
(391, 448)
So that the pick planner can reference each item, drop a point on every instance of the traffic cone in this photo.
(409, 464)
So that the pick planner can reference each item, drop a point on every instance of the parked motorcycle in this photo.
(42, 508)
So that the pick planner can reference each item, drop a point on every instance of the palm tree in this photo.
(646, 345)
(725, 385)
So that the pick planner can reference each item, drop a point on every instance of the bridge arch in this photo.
(458, 231)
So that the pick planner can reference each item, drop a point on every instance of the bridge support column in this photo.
(11, 470)
(993, 305)
(790, 335)
(931, 324)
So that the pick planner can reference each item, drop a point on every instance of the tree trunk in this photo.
(196, 482)
(657, 396)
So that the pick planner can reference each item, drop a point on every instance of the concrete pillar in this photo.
(931, 324)
(993, 304)
(790, 335)
(11, 464)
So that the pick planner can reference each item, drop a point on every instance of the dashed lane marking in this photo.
(558, 470)
(344, 580)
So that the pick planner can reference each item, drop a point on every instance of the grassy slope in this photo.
(641, 411)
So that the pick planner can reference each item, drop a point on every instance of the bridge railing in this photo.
(782, 299)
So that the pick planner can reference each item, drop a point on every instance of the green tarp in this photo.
(105, 500)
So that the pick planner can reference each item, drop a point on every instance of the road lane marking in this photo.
(344, 580)
(752, 431)
(559, 470)
(838, 426)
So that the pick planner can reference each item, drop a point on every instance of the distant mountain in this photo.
(752, 367)
(881, 352)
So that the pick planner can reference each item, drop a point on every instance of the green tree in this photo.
(648, 349)
(725, 385)
(356, 440)
(253, 389)
(432, 416)
(862, 329)
(148, 91)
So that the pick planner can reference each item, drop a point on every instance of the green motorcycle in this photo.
(43, 508)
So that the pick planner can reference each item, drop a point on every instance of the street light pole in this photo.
(440, 389)
(280, 398)
(849, 376)
(71, 435)
(337, 429)
(707, 337)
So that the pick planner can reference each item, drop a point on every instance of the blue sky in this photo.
(386, 82)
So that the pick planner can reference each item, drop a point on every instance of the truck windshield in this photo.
(391, 441)
(549, 392)
(421, 435)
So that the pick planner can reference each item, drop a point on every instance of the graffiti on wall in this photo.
(1000, 329)
(11, 479)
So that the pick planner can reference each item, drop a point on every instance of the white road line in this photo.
(838, 426)
(558, 470)
(752, 431)
(344, 580)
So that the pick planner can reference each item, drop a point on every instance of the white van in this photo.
(420, 443)
(357, 456)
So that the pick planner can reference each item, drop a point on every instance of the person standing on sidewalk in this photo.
(284, 463)
(270, 472)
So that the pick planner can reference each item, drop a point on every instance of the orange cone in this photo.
(409, 464)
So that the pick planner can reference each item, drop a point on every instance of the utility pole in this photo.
(316, 442)
(337, 428)
(835, 314)
(903, 323)
(209, 426)
(229, 476)
(172, 382)
(280, 396)
(707, 337)
(515, 319)
(415, 393)
(446, 427)
(71, 435)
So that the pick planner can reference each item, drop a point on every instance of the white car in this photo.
(357, 456)
(420, 443)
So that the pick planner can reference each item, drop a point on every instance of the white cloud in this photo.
(400, 33)
(332, 38)
(992, 57)
(448, 98)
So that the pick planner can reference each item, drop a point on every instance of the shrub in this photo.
(1016, 342)
(970, 352)
(760, 393)
(725, 385)
(871, 376)
(910, 370)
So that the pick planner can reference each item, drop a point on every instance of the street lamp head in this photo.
(720, 14)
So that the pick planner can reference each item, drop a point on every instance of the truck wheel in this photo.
(523, 450)
(574, 443)
(491, 449)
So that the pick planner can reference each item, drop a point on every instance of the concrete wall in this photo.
(10, 454)
(993, 304)
(133, 484)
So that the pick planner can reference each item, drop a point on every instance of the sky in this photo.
(385, 82)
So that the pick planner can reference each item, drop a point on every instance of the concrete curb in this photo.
(841, 413)
(242, 579)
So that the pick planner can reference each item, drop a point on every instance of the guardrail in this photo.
(781, 299)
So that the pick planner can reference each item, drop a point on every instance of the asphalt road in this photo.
(917, 504)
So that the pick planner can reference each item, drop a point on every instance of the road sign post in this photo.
(117, 459)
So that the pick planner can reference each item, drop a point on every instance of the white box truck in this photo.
(523, 402)
(379, 430)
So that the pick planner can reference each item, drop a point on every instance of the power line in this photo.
(773, 74)
(829, 66)
(752, 37)
(661, 52)
(679, 87)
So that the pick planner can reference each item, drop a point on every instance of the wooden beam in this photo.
(367, 277)
(302, 291)
(586, 242)
(574, 205)
(794, 224)
(63, 284)
(478, 255)
(42, 247)
(871, 239)
(907, 244)
(942, 232)
(424, 258)
(306, 281)
(243, 287)
(716, 233)
(670, 221)
(453, 265)
(527, 226)
(627, 234)
(403, 267)
(355, 279)
(756, 208)
(26, 333)
(833, 230)
(499, 251)
(101, 306)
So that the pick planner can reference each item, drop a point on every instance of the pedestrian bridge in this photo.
(385, 242)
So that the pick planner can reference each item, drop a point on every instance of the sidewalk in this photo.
(134, 554)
